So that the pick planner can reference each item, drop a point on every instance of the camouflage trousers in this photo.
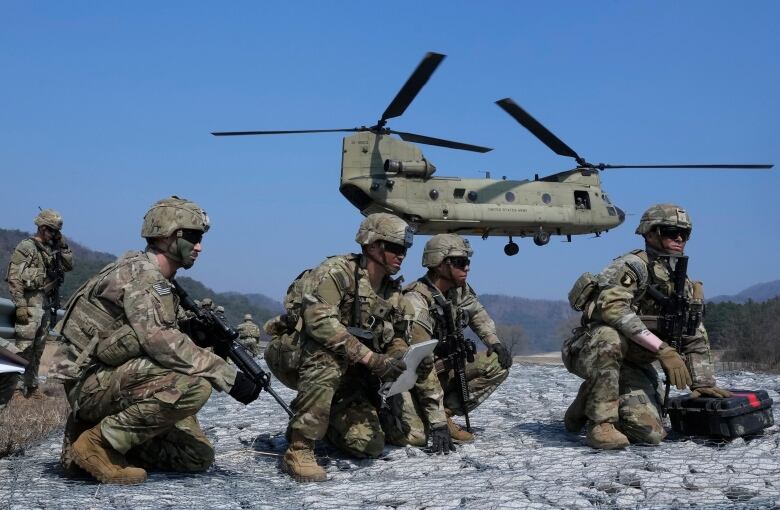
(621, 385)
(252, 345)
(147, 412)
(403, 419)
(338, 401)
(30, 340)
(8, 384)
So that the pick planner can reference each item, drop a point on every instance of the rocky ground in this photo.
(523, 458)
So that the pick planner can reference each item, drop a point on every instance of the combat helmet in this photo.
(49, 218)
(207, 303)
(171, 214)
(220, 309)
(248, 317)
(441, 246)
(664, 215)
(384, 227)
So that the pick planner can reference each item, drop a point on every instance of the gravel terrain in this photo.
(522, 458)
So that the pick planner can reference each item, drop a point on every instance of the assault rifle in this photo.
(56, 275)
(679, 315)
(223, 338)
(455, 350)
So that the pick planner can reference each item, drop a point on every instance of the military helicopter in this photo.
(380, 173)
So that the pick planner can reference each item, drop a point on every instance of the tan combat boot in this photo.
(605, 436)
(299, 461)
(457, 433)
(95, 455)
(575, 418)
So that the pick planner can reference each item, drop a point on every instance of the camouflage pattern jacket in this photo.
(623, 303)
(248, 329)
(27, 276)
(126, 311)
(428, 317)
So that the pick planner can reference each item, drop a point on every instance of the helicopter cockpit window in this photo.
(581, 200)
(606, 198)
(459, 192)
(509, 196)
(611, 211)
(546, 198)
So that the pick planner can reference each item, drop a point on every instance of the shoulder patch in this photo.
(161, 288)
(626, 280)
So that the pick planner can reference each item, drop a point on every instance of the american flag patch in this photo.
(163, 289)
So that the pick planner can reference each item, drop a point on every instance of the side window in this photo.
(581, 200)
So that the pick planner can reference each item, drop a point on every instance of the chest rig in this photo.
(449, 322)
(372, 317)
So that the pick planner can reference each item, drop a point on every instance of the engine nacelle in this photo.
(423, 168)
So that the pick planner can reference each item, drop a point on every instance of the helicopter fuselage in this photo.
(382, 174)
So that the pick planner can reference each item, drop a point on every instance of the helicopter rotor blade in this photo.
(537, 129)
(243, 133)
(440, 142)
(602, 166)
(412, 87)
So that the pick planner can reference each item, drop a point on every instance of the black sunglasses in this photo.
(191, 236)
(674, 232)
(395, 249)
(459, 262)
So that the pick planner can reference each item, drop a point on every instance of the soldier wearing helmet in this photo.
(447, 258)
(352, 332)
(133, 377)
(207, 303)
(35, 273)
(249, 335)
(621, 335)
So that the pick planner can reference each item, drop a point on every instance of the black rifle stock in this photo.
(56, 275)
(224, 338)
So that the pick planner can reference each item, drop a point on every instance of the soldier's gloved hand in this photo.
(385, 367)
(22, 315)
(424, 368)
(441, 441)
(244, 389)
(710, 391)
(674, 366)
(504, 357)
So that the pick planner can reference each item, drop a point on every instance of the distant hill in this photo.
(759, 293)
(544, 322)
(89, 262)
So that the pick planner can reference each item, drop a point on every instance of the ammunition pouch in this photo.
(283, 357)
(583, 291)
(118, 347)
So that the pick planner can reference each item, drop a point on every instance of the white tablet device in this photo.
(412, 358)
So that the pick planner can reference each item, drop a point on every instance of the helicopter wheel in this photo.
(541, 238)
(511, 248)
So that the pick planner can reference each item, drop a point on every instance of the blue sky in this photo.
(108, 106)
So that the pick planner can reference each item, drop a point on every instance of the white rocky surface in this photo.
(522, 458)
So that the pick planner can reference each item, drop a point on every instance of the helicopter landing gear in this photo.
(511, 247)
(541, 238)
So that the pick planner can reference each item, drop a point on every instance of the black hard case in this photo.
(746, 412)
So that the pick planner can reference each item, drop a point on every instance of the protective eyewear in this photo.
(191, 236)
(674, 232)
(460, 262)
(395, 249)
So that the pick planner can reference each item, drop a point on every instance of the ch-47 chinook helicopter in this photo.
(380, 173)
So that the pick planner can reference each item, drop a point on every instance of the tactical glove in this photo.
(441, 441)
(22, 315)
(710, 391)
(385, 367)
(674, 366)
(504, 358)
(424, 368)
(244, 389)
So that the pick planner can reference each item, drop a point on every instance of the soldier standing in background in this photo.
(131, 373)
(447, 258)
(249, 335)
(621, 336)
(35, 273)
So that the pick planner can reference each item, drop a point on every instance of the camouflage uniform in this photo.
(129, 367)
(31, 285)
(249, 335)
(335, 397)
(621, 386)
(483, 376)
